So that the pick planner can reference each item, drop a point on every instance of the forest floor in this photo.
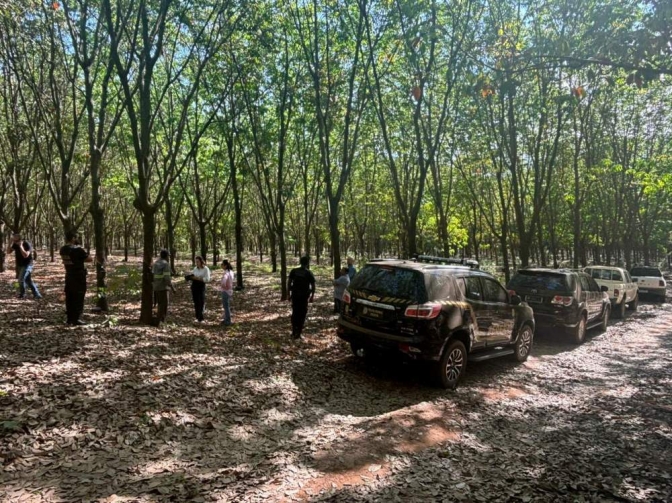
(118, 412)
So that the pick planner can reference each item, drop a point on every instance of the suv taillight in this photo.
(616, 292)
(661, 282)
(346, 297)
(423, 311)
(563, 301)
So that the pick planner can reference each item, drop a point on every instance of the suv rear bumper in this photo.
(543, 320)
(413, 347)
(658, 290)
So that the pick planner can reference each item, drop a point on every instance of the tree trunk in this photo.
(98, 217)
(237, 206)
(335, 236)
(3, 256)
(170, 234)
(273, 251)
(203, 237)
(147, 297)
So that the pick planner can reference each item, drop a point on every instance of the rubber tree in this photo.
(327, 32)
(161, 62)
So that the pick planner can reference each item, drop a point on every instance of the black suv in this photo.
(429, 309)
(564, 299)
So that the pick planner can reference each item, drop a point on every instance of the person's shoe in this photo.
(79, 323)
(19, 296)
(38, 297)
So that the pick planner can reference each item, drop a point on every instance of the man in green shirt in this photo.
(162, 282)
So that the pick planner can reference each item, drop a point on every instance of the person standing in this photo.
(162, 283)
(74, 257)
(351, 268)
(199, 277)
(301, 287)
(227, 291)
(23, 255)
(340, 284)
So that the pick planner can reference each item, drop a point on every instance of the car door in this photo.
(597, 298)
(630, 286)
(499, 312)
(480, 320)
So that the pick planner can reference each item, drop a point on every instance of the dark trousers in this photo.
(162, 298)
(198, 294)
(337, 305)
(299, 312)
(74, 304)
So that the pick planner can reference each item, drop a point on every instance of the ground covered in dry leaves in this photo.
(120, 412)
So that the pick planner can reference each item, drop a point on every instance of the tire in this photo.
(452, 365)
(356, 348)
(634, 303)
(619, 312)
(605, 317)
(662, 298)
(523, 345)
(579, 335)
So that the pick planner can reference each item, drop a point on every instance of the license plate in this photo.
(643, 291)
(371, 312)
(534, 298)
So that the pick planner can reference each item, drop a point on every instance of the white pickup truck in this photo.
(622, 289)
(650, 281)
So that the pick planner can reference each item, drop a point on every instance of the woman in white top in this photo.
(227, 291)
(199, 277)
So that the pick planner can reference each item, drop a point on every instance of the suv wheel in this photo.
(524, 343)
(580, 331)
(358, 350)
(634, 303)
(605, 317)
(452, 365)
(620, 309)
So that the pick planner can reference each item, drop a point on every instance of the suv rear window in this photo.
(646, 271)
(388, 281)
(539, 280)
(605, 274)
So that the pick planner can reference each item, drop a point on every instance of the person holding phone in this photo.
(23, 254)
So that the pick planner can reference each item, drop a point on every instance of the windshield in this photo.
(389, 281)
(646, 271)
(527, 280)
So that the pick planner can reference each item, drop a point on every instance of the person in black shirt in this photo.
(74, 257)
(23, 254)
(301, 286)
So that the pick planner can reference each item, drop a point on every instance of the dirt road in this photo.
(120, 412)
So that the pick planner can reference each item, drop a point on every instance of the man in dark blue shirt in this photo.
(301, 286)
(23, 254)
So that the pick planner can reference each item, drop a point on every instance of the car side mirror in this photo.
(604, 288)
(515, 300)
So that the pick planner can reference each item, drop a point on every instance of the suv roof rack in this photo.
(473, 264)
